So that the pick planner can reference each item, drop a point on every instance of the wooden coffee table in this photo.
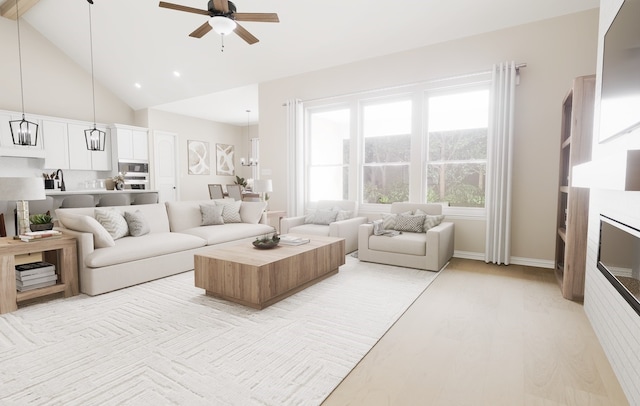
(259, 278)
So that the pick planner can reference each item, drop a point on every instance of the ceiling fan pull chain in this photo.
(222, 47)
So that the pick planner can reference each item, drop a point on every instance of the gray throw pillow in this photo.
(378, 228)
(324, 217)
(409, 223)
(432, 221)
(138, 225)
(389, 221)
(113, 221)
(211, 215)
(230, 211)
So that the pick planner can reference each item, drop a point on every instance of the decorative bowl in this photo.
(266, 243)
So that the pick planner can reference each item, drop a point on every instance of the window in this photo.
(328, 152)
(386, 129)
(457, 148)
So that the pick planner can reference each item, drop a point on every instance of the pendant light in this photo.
(23, 132)
(251, 161)
(93, 137)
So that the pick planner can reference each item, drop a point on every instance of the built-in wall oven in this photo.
(136, 174)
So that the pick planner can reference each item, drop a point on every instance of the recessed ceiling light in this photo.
(138, 85)
(176, 73)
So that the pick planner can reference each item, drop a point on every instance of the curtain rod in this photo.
(518, 66)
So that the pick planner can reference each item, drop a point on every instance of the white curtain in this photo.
(500, 163)
(295, 172)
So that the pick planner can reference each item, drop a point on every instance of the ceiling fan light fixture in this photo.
(222, 25)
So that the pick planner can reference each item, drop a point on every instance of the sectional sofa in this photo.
(155, 240)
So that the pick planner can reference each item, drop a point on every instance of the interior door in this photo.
(165, 165)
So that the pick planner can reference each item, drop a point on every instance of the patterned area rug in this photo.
(165, 342)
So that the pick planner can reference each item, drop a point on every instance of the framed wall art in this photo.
(225, 160)
(198, 157)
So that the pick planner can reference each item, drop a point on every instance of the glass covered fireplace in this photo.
(619, 258)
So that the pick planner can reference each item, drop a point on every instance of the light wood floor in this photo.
(486, 335)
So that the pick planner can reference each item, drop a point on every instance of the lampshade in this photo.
(262, 186)
(222, 25)
(22, 189)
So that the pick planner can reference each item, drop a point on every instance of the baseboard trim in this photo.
(479, 256)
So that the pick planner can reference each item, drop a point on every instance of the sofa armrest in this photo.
(289, 222)
(347, 229)
(84, 243)
(441, 239)
(364, 232)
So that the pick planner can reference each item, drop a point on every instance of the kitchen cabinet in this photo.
(7, 148)
(56, 146)
(132, 143)
(79, 155)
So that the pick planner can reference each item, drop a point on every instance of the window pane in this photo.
(387, 118)
(328, 183)
(458, 184)
(387, 149)
(458, 145)
(459, 111)
(329, 137)
(386, 183)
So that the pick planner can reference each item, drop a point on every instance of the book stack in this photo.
(291, 240)
(38, 235)
(35, 275)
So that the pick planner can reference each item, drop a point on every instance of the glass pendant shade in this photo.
(222, 25)
(95, 139)
(24, 132)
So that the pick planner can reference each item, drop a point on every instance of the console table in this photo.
(62, 252)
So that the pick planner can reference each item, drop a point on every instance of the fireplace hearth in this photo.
(619, 258)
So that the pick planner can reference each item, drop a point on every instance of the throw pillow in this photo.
(309, 217)
(409, 222)
(230, 211)
(432, 221)
(87, 224)
(136, 222)
(324, 217)
(378, 228)
(113, 221)
(211, 215)
(344, 215)
(389, 221)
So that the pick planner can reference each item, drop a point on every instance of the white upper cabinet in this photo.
(132, 143)
(55, 144)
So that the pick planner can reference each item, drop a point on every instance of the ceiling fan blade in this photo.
(245, 35)
(221, 5)
(200, 31)
(178, 7)
(259, 17)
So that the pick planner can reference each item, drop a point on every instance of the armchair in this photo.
(429, 250)
(333, 218)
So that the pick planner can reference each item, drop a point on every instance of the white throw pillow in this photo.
(251, 212)
(230, 211)
(378, 228)
(324, 217)
(344, 215)
(309, 217)
(87, 224)
(113, 221)
(432, 221)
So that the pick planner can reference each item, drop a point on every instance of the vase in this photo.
(119, 185)
(109, 184)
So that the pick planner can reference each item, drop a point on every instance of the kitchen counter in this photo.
(58, 192)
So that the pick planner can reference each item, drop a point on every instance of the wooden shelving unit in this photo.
(573, 203)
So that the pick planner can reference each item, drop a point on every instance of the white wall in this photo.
(555, 50)
(188, 128)
(614, 321)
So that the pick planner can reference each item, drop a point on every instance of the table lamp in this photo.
(263, 186)
(21, 190)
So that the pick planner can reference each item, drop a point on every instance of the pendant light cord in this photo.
(93, 85)
(20, 58)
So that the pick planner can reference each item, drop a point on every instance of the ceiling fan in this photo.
(224, 19)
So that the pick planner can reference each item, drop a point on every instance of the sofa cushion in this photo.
(86, 224)
(405, 243)
(137, 223)
(211, 215)
(183, 215)
(230, 211)
(128, 249)
(409, 222)
(228, 232)
(324, 217)
(113, 221)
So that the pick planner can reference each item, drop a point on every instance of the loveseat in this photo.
(155, 240)
(332, 218)
(411, 235)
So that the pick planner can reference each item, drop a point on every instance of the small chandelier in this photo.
(93, 137)
(23, 132)
(251, 161)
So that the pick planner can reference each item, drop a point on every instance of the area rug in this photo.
(166, 343)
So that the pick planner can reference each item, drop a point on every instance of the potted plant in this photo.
(40, 222)
(241, 181)
(267, 241)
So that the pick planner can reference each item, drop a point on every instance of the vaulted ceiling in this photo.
(136, 41)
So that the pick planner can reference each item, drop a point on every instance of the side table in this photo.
(62, 252)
